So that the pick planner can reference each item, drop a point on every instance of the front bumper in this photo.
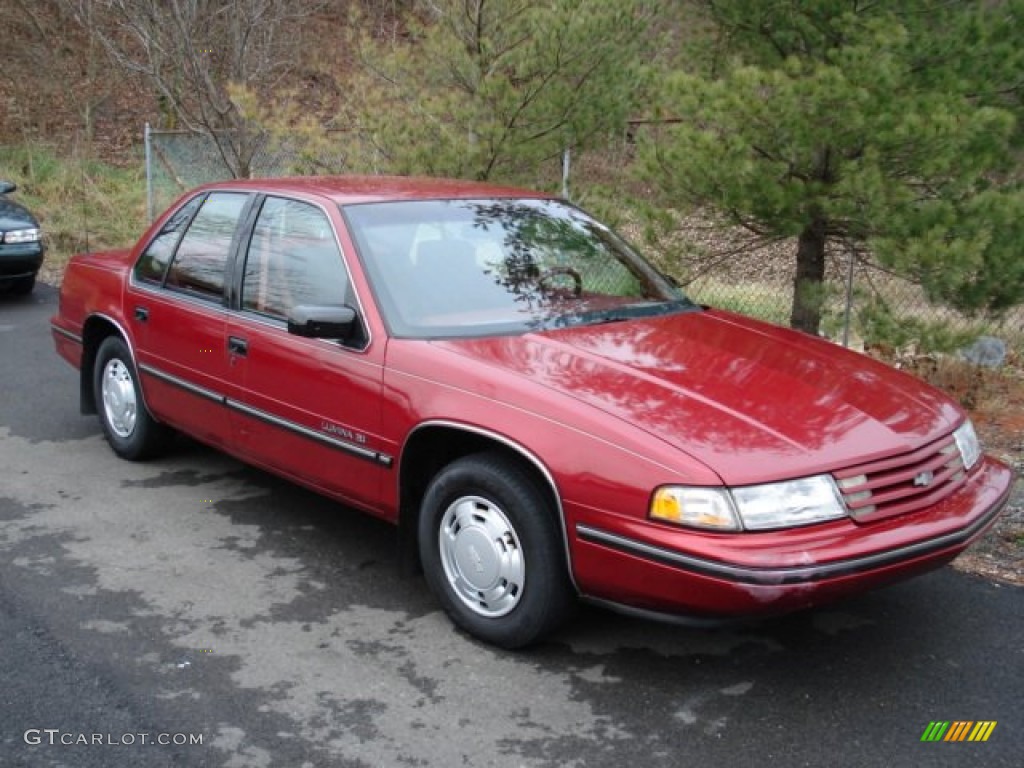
(657, 568)
(20, 259)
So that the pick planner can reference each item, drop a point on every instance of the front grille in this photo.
(902, 484)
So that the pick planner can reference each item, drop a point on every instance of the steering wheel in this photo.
(553, 272)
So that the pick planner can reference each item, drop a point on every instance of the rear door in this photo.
(176, 303)
(310, 408)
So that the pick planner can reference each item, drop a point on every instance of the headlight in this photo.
(784, 505)
(968, 444)
(20, 236)
(755, 508)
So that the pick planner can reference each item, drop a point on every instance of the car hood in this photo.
(15, 216)
(752, 401)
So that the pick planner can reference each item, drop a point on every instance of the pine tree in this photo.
(879, 126)
(493, 88)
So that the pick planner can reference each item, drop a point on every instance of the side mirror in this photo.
(7, 186)
(315, 322)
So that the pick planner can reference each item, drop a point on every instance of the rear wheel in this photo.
(492, 551)
(129, 428)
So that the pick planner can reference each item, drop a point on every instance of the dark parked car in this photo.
(21, 244)
(539, 410)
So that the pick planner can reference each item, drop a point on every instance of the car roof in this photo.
(349, 190)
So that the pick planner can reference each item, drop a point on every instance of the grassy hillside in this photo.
(83, 203)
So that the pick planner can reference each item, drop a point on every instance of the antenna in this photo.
(85, 209)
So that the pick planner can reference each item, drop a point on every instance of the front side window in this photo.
(293, 259)
(199, 263)
(460, 268)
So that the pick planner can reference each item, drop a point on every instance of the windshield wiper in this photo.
(617, 315)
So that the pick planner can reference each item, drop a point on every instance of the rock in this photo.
(987, 351)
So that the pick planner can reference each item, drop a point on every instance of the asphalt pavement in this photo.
(192, 611)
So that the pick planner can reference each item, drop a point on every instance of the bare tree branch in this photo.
(190, 51)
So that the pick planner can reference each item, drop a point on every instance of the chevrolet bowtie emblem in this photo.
(924, 479)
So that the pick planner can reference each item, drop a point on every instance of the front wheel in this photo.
(129, 428)
(492, 551)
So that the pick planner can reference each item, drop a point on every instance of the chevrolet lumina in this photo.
(542, 414)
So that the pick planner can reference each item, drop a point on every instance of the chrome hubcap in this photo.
(120, 406)
(481, 556)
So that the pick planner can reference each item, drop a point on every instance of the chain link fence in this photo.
(177, 161)
(863, 303)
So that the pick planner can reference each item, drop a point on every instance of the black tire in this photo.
(131, 431)
(502, 536)
(23, 285)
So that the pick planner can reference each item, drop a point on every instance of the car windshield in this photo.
(444, 268)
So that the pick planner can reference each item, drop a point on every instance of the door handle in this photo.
(141, 314)
(237, 346)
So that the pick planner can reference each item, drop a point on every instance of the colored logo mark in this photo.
(958, 730)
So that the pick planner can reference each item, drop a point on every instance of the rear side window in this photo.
(154, 260)
(199, 263)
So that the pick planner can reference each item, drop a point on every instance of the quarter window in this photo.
(293, 259)
(200, 261)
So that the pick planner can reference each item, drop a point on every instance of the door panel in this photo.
(311, 409)
(183, 362)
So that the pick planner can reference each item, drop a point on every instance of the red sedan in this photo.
(542, 413)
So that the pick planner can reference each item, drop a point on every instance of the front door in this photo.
(309, 407)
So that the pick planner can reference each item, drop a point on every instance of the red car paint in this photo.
(605, 414)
